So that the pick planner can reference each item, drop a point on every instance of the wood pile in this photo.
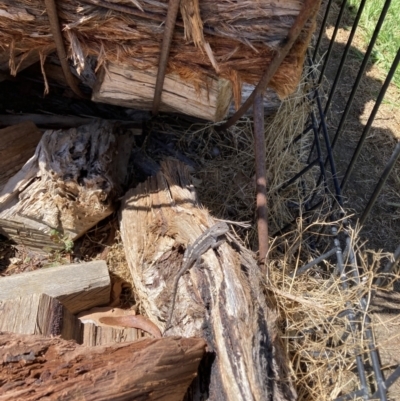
(63, 330)
(218, 48)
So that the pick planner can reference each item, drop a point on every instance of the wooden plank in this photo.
(77, 286)
(125, 86)
(55, 369)
(17, 145)
(39, 314)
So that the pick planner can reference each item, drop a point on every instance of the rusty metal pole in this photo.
(173, 8)
(261, 180)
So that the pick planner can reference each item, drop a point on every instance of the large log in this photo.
(17, 145)
(78, 287)
(222, 301)
(39, 314)
(37, 368)
(233, 40)
(67, 187)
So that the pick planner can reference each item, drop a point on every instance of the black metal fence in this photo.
(322, 154)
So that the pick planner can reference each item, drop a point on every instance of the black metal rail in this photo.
(322, 155)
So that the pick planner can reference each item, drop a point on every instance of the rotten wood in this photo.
(78, 287)
(221, 301)
(39, 314)
(36, 368)
(17, 145)
(123, 86)
(68, 186)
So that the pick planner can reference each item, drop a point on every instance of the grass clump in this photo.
(388, 41)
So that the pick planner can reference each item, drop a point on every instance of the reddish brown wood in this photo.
(37, 368)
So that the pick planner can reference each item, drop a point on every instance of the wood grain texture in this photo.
(124, 86)
(78, 287)
(17, 145)
(39, 314)
(37, 368)
(221, 301)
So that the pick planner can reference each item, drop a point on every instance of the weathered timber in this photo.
(97, 333)
(68, 186)
(36, 368)
(17, 145)
(124, 86)
(222, 300)
(78, 287)
(39, 314)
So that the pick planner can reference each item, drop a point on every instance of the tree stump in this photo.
(37, 368)
(221, 301)
(67, 187)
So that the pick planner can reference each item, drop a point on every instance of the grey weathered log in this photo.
(78, 286)
(221, 301)
(68, 186)
(17, 145)
(39, 314)
(37, 368)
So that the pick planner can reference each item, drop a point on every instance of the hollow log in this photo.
(37, 368)
(67, 187)
(221, 300)
(17, 145)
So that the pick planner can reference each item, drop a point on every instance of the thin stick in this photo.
(170, 21)
(308, 10)
(58, 40)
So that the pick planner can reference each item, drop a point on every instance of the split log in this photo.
(17, 145)
(78, 287)
(123, 86)
(222, 301)
(97, 333)
(39, 314)
(67, 187)
(212, 39)
(37, 368)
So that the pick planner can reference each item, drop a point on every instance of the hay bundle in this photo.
(234, 40)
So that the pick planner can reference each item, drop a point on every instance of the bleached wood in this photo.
(78, 286)
(67, 187)
(17, 146)
(39, 314)
(124, 86)
(221, 301)
(55, 369)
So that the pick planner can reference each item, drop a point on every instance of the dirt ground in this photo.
(381, 231)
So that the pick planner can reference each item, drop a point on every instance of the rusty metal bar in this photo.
(309, 8)
(170, 21)
(261, 180)
(58, 40)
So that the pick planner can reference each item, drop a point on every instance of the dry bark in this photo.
(234, 40)
(222, 301)
(36, 368)
(67, 187)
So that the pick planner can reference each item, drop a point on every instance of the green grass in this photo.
(388, 41)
